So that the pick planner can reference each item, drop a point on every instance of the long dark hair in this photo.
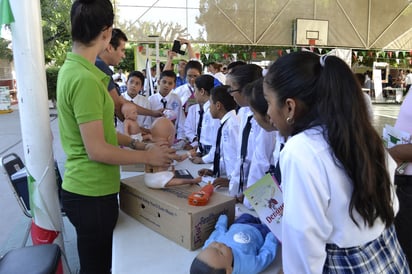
(332, 98)
(89, 18)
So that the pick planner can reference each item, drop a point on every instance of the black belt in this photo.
(403, 180)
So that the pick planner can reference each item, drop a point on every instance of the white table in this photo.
(138, 249)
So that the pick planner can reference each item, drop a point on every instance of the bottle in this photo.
(202, 196)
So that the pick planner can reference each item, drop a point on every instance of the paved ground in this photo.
(14, 223)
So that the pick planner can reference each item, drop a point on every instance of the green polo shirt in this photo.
(82, 97)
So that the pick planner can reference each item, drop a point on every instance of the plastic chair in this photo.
(39, 259)
(16, 172)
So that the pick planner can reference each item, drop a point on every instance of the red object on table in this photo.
(202, 196)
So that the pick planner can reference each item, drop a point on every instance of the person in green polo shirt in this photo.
(88, 136)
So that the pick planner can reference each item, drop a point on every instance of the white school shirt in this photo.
(244, 113)
(191, 121)
(185, 92)
(173, 103)
(228, 143)
(210, 127)
(140, 100)
(262, 159)
(317, 193)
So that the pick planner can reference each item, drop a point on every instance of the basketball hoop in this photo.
(312, 42)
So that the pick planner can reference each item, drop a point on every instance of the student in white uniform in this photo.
(208, 126)
(134, 83)
(238, 78)
(262, 160)
(186, 92)
(337, 177)
(222, 107)
(167, 100)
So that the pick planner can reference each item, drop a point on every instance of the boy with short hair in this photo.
(169, 101)
(222, 107)
(134, 84)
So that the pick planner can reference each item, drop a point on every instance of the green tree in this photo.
(5, 52)
(56, 30)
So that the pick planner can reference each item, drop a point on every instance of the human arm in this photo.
(127, 141)
(99, 150)
(401, 153)
(120, 100)
(183, 181)
(205, 172)
(197, 160)
(170, 55)
(190, 51)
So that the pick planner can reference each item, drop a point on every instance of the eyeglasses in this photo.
(230, 90)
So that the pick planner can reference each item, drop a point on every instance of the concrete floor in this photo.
(13, 223)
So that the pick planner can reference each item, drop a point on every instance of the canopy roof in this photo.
(362, 24)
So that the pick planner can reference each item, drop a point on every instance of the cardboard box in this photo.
(167, 211)
(133, 168)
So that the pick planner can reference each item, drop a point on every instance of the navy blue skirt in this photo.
(383, 255)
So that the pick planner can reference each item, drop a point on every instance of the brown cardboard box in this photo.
(133, 168)
(168, 212)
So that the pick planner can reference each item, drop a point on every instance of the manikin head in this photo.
(129, 111)
(163, 130)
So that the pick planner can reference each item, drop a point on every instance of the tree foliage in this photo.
(56, 30)
(5, 51)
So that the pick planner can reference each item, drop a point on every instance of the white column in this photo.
(32, 98)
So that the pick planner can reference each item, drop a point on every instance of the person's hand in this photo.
(161, 155)
(187, 146)
(183, 41)
(197, 180)
(171, 54)
(157, 113)
(193, 152)
(197, 160)
(221, 182)
(182, 157)
(205, 172)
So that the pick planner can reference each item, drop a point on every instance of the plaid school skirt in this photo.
(383, 255)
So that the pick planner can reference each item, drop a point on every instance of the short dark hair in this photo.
(220, 94)
(137, 74)
(200, 267)
(117, 36)
(89, 18)
(168, 73)
(193, 64)
(235, 64)
(206, 82)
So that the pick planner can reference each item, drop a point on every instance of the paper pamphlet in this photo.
(266, 198)
(392, 136)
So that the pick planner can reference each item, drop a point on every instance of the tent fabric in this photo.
(362, 24)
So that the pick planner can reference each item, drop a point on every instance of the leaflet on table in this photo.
(393, 136)
(266, 198)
